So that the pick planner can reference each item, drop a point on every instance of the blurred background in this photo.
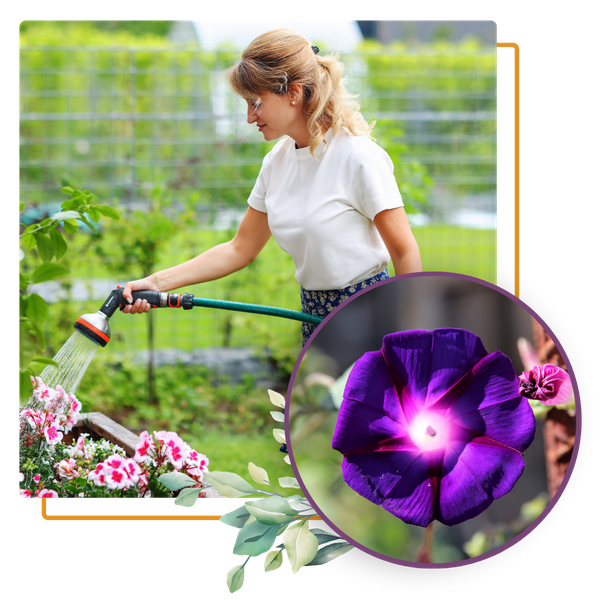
(139, 113)
(426, 301)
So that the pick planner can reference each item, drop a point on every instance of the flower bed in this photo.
(65, 453)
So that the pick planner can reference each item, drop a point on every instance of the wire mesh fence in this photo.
(123, 122)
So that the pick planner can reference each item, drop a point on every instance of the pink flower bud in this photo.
(549, 384)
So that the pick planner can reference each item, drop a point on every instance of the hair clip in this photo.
(315, 49)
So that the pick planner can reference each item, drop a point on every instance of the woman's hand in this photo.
(139, 306)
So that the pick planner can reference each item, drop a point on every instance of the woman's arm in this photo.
(215, 263)
(399, 240)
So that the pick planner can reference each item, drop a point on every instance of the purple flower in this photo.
(549, 384)
(433, 427)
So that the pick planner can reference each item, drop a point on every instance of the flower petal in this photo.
(473, 479)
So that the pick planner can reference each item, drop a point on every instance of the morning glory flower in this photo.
(549, 384)
(433, 427)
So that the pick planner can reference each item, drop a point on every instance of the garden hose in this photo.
(95, 325)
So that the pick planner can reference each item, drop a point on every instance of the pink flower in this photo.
(34, 418)
(47, 494)
(549, 384)
(132, 469)
(116, 461)
(80, 447)
(196, 464)
(176, 449)
(53, 433)
(117, 479)
(68, 469)
(145, 448)
(25, 493)
(98, 475)
(37, 478)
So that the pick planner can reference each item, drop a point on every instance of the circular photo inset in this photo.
(433, 420)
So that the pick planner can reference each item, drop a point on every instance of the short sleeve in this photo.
(373, 187)
(259, 192)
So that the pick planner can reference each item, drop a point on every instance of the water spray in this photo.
(96, 328)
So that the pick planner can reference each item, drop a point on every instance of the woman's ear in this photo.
(295, 93)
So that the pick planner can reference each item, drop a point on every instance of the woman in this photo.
(326, 191)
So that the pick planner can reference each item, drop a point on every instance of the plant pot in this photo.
(99, 426)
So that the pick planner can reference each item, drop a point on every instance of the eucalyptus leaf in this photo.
(301, 546)
(323, 537)
(273, 560)
(236, 518)
(278, 416)
(277, 399)
(297, 502)
(279, 435)
(235, 578)
(271, 511)
(288, 482)
(188, 496)
(259, 475)
(176, 480)
(329, 552)
(229, 484)
(255, 539)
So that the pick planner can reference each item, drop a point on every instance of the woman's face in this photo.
(276, 116)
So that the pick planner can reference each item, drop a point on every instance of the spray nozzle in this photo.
(155, 299)
(95, 325)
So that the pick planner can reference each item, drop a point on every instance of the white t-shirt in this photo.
(321, 211)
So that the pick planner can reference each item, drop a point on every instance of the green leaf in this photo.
(37, 309)
(25, 387)
(235, 578)
(188, 496)
(278, 416)
(255, 539)
(67, 190)
(71, 226)
(301, 545)
(107, 211)
(23, 281)
(175, 480)
(279, 435)
(236, 518)
(259, 475)
(277, 399)
(29, 241)
(329, 552)
(58, 243)
(288, 482)
(271, 511)
(43, 360)
(273, 560)
(325, 536)
(44, 246)
(229, 484)
(48, 271)
(94, 214)
(26, 345)
(296, 501)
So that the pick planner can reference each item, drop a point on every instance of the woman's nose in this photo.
(252, 117)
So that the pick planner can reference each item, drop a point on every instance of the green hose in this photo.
(258, 309)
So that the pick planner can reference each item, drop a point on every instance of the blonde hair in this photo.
(279, 58)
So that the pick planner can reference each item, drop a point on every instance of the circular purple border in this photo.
(548, 508)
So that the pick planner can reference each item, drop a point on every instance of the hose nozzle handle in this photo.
(155, 299)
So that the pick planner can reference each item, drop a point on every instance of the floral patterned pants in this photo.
(322, 302)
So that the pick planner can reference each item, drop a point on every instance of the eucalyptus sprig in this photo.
(262, 521)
